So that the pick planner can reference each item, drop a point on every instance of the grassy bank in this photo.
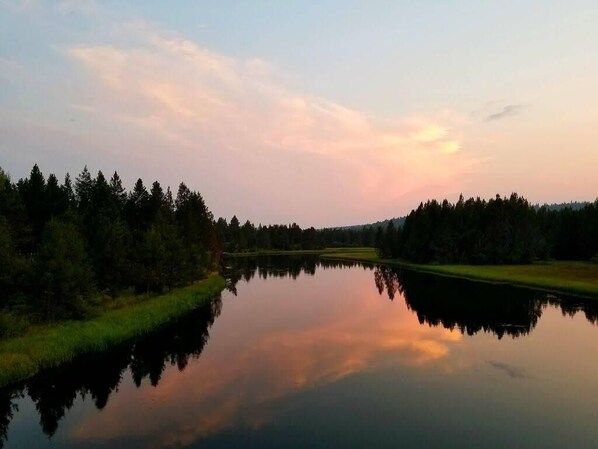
(53, 344)
(578, 278)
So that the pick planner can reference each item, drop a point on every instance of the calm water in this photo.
(300, 354)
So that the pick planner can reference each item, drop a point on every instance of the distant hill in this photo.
(398, 221)
(574, 205)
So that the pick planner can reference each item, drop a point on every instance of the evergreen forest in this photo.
(502, 230)
(66, 246)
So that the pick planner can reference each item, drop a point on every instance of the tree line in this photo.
(502, 230)
(248, 237)
(64, 244)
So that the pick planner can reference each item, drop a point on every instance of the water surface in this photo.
(301, 353)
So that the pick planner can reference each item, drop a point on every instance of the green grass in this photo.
(50, 345)
(578, 278)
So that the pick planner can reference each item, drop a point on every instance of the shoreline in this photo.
(50, 345)
(572, 278)
(560, 277)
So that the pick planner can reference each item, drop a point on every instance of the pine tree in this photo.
(32, 192)
(64, 277)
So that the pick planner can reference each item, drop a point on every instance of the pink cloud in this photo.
(237, 117)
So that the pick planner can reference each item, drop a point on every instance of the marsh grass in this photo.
(47, 346)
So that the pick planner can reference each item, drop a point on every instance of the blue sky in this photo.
(323, 113)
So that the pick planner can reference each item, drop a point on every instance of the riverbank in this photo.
(50, 345)
(576, 278)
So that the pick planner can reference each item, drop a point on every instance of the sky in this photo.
(322, 113)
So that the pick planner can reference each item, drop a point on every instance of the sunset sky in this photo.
(321, 113)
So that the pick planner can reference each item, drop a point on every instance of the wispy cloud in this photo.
(192, 97)
(507, 111)
(85, 7)
(512, 371)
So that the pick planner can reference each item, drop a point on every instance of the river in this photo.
(305, 353)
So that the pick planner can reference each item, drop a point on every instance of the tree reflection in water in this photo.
(7, 410)
(436, 300)
(452, 303)
(474, 306)
(54, 393)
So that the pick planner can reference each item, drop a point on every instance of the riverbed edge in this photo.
(51, 345)
(555, 285)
